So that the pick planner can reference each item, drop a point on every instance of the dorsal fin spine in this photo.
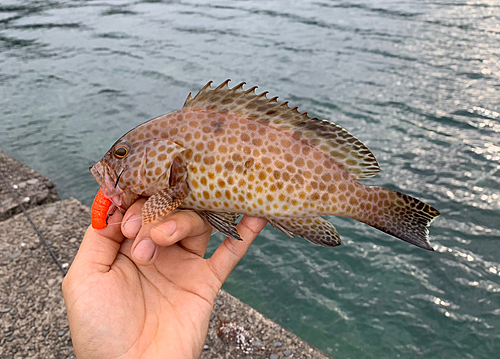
(239, 86)
(250, 90)
(222, 85)
(208, 85)
(189, 99)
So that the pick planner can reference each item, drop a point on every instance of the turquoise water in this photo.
(417, 81)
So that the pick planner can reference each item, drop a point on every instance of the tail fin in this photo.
(399, 215)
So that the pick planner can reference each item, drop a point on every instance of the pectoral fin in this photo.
(163, 202)
(316, 230)
(222, 222)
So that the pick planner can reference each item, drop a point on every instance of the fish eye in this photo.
(121, 152)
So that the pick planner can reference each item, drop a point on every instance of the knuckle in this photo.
(136, 207)
(218, 276)
(193, 224)
(193, 217)
(230, 246)
(254, 225)
(244, 223)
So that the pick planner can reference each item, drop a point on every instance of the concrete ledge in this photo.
(33, 321)
(268, 339)
(31, 188)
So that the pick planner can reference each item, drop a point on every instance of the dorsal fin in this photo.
(328, 137)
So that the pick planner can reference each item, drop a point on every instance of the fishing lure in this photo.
(99, 213)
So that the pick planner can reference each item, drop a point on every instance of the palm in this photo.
(166, 301)
(118, 309)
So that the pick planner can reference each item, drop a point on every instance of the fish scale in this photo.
(232, 151)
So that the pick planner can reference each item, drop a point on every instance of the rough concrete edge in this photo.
(263, 337)
(32, 312)
(31, 188)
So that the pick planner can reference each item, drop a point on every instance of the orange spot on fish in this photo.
(209, 160)
(229, 165)
(257, 142)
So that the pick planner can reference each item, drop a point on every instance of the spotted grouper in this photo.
(231, 151)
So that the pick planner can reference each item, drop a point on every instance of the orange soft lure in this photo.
(99, 212)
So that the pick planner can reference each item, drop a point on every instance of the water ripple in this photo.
(418, 83)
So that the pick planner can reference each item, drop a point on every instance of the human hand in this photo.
(157, 301)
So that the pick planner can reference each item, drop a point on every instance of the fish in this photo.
(232, 151)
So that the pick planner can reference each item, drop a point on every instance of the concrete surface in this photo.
(32, 188)
(33, 320)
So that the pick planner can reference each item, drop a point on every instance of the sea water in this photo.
(417, 81)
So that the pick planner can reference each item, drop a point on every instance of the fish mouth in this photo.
(107, 179)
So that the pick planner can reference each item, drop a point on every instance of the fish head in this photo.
(135, 168)
(108, 173)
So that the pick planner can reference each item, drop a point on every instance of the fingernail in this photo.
(145, 251)
(167, 228)
(132, 226)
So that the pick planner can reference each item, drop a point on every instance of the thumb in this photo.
(99, 247)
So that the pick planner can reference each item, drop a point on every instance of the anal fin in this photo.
(222, 222)
(315, 229)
